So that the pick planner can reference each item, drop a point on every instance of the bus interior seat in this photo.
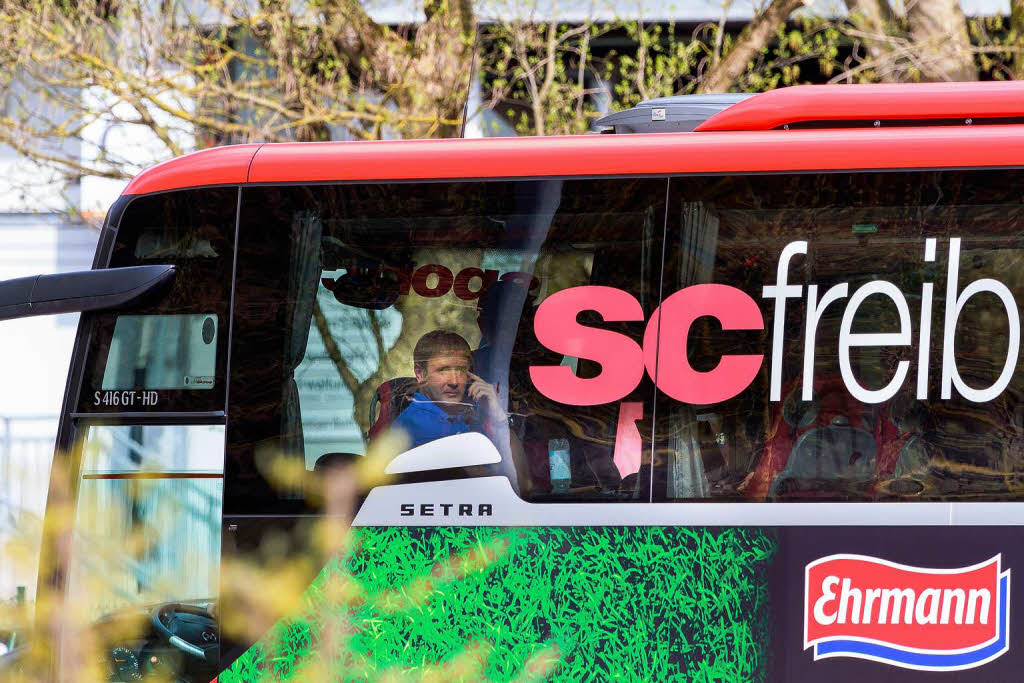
(828, 459)
(639, 484)
(833, 446)
(339, 463)
(388, 401)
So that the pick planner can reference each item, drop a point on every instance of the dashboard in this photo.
(134, 650)
(144, 660)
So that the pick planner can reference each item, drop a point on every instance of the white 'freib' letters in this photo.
(954, 305)
(848, 339)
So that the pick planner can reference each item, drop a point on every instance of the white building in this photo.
(37, 235)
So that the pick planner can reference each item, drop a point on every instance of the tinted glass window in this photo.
(170, 354)
(174, 352)
(404, 317)
(843, 337)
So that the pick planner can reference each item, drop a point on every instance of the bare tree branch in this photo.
(751, 40)
(333, 352)
(378, 336)
(1017, 30)
(877, 22)
(720, 34)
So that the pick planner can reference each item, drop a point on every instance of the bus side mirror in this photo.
(87, 290)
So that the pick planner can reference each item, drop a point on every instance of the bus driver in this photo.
(449, 399)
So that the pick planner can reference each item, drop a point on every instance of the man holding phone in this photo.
(450, 399)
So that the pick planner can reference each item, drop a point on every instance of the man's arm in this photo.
(495, 423)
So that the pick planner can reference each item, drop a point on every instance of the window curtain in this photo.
(303, 276)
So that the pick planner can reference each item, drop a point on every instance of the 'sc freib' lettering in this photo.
(664, 356)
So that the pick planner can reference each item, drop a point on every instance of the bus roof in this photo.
(738, 142)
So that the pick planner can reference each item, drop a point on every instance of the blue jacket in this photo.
(425, 421)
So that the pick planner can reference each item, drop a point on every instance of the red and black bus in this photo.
(728, 393)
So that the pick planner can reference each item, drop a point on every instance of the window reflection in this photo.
(883, 254)
(162, 352)
(148, 517)
(420, 322)
(340, 284)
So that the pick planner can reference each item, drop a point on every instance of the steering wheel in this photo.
(167, 617)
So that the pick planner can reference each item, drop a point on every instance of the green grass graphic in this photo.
(564, 604)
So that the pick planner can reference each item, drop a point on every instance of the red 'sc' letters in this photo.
(621, 359)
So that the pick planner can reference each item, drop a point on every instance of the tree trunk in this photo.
(943, 52)
(1017, 26)
(875, 20)
(426, 77)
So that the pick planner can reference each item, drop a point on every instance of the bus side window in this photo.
(846, 277)
(455, 271)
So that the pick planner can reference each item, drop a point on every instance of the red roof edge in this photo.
(215, 166)
(990, 99)
(668, 153)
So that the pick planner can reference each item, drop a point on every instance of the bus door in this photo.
(131, 564)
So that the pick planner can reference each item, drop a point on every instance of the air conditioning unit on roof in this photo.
(678, 114)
